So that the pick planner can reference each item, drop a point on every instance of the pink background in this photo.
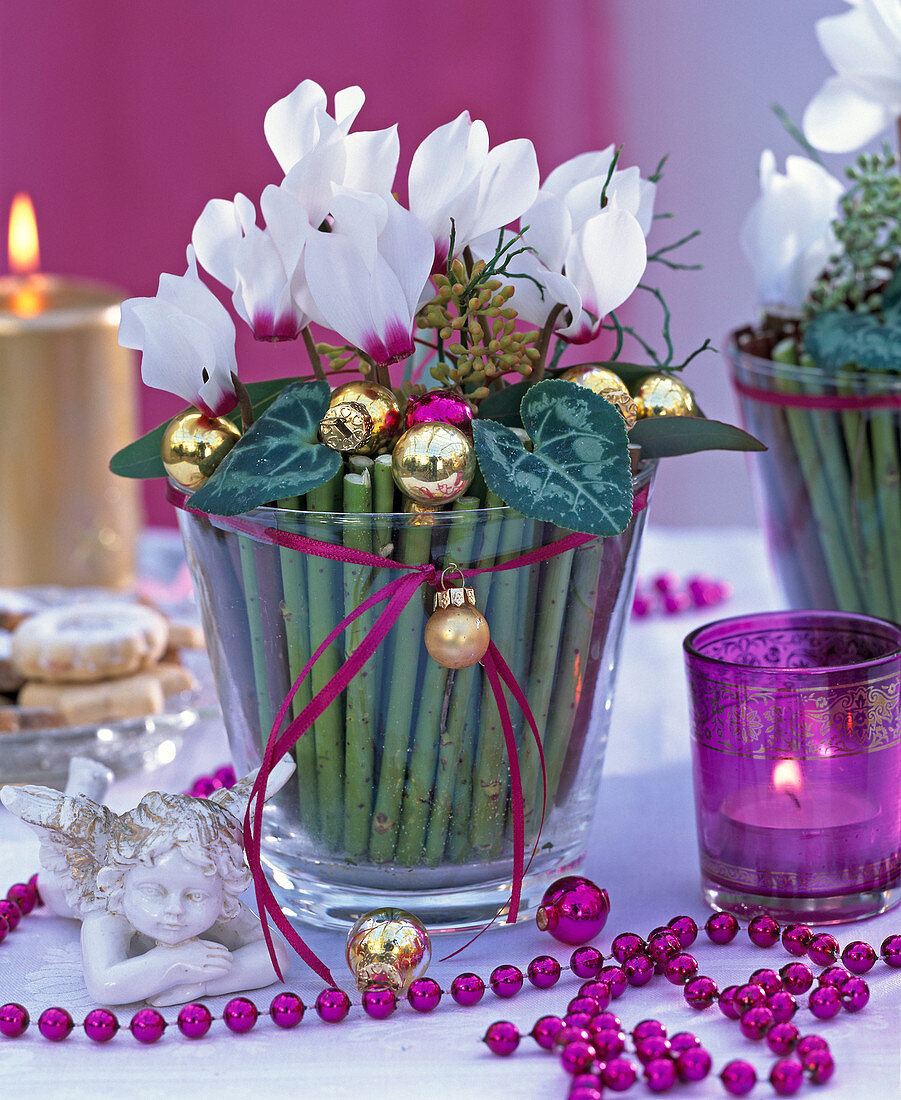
(123, 119)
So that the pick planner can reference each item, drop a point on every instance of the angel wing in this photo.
(235, 799)
(75, 833)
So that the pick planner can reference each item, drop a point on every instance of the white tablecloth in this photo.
(642, 850)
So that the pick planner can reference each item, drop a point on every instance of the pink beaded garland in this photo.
(796, 977)
(660, 1074)
(834, 975)
(147, 1025)
(685, 928)
(608, 1042)
(424, 994)
(606, 1020)
(286, 1009)
(502, 1037)
(569, 1034)
(240, 1015)
(859, 957)
(379, 1002)
(782, 1038)
(808, 1043)
(573, 910)
(625, 945)
(694, 1064)
(662, 946)
(786, 1076)
(586, 962)
(505, 980)
(100, 1025)
(680, 968)
(823, 949)
(721, 928)
(701, 992)
(467, 989)
(825, 1002)
(332, 1005)
(749, 996)
(648, 1029)
(545, 1030)
(767, 979)
(14, 1020)
(763, 930)
(855, 994)
(55, 1024)
(598, 991)
(619, 1074)
(577, 1057)
(638, 970)
(756, 1022)
(194, 1020)
(655, 1046)
(782, 1005)
(544, 971)
(683, 1040)
(616, 979)
(819, 1065)
(796, 937)
(738, 1077)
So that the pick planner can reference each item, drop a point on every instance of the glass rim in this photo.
(797, 618)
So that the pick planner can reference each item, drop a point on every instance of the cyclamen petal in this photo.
(291, 125)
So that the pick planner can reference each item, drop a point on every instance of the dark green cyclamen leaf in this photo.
(278, 456)
(503, 405)
(891, 296)
(835, 340)
(141, 459)
(667, 436)
(578, 474)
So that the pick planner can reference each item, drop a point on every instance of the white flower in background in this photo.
(187, 341)
(579, 182)
(863, 45)
(454, 175)
(243, 257)
(365, 277)
(787, 235)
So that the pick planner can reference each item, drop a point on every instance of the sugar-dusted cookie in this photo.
(109, 701)
(89, 642)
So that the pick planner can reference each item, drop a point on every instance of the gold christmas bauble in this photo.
(193, 445)
(388, 947)
(433, 463)
(382, 408)
(346, 427)
(660, 395)
(608, 385)
(457, 637)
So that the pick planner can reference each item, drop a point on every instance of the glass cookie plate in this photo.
(125, 746)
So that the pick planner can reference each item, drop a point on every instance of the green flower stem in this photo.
(414, 550)
(257, 643)
(430, 738)
(325, 588)
(489, 782)
(362, 707)
(884, 431)
(458, 838)
(383, 501)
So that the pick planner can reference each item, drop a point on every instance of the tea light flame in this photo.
(787, 779)
(24, 253)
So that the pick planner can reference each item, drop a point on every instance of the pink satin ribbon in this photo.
(396, 594)
(819, 400)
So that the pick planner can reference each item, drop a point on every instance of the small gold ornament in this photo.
(193, 445)
(388, 947)
(660, 395)
(346, 427)
(456, 634)
(433, 464)
(608, 385)
(382, 408)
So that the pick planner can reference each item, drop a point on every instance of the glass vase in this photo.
(828, 486)
(401, 795)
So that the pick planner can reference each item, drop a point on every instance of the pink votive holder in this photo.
(796, 753)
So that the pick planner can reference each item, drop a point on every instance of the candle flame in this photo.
(787, 777)
(24, 254)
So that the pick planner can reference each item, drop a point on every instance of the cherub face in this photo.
(171, 900)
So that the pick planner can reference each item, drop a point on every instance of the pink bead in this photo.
(647, 1029)
(820, 1066)
(738, 1077)
(100, 1025)
(891, 951)
(674, 603)
(855, 994)
(795, 938)
(606, 1020)
(440, 406)
(577, 1057)
(286, 1009)
(823, 949)
(573, 910)
(332, 1005)
(33, 881)
(225, 776)
(652, 1048)
(694, 1064)
(625, 945)
(4, 928)
(379, 1002)
(782, 1005)
(768, 980)
(638, 970)
(608, 1043)
(14, 1020)
(782, 1038)
(194, 1020)
(424, 994)
(502, 1037)
(24, 895)
(568, 1034)
(763, 930)
(660, 1075)
(147, 1025)
(467, 989)
(544, 971)
(796, 977)
(680, 968)
(721, 928)
(685, 928)
(756, 1022)
(786, 1077)
(859, 957)
(616, 978)
(667, 582)
(240, 1015)
(748, 996)
(662, 946)
(577, 1019)
(683, 1040)
(11, 912)
(641, 606)
(545, 1030)
(585, 962)
(598, 991)
(619, 1074)
(727, 1003)
(585, 1092)
(825, 1002)
(700, 992)
(55, 1024)
(203, 787)
(506, 980)
(809, 1043)
(584, 1004)
(586, 1081)
(834, 975)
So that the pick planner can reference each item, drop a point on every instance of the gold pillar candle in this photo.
(68, 403)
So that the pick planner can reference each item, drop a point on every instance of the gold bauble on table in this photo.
(379, 404)
(660, 395)
(388, 947)
(607, 384)
(433, 464)
(193, 445)
(456, 634)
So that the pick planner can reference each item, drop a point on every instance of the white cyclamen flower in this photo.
(243, 257)
(364, 279)
(455, 177)
(863, 45)
(187, 341)
(787, 235)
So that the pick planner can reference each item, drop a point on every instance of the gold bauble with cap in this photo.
(366, 400)
(193, 445)
(433, 464)
(607, 384)
(456, 634)
(388, 947)
(660, 395)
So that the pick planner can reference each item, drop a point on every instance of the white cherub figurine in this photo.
(157, 889)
